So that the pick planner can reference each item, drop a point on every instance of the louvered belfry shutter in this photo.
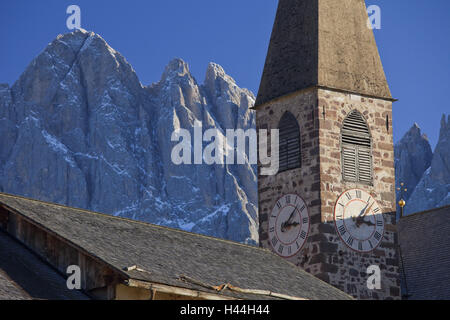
(289, 149)
(349, 163)
(356, 149)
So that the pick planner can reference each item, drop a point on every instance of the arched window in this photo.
(356, 149)
(289, 151)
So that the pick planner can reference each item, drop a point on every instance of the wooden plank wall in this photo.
(97, 279)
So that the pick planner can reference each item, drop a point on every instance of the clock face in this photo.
(289, 225)
(359, 220)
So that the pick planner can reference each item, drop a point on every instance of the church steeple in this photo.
(323, 43)
(330, 209)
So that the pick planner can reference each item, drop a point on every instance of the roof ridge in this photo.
(424, 212)
(224, 286)
(134, 221)
(297, 268)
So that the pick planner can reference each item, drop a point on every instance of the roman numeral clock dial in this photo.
(289, 225)
(359, 220)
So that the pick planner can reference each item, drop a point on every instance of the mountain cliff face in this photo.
(433, 190)
(79, 129)
(413, 157)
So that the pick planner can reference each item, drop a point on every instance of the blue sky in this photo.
(414, 43)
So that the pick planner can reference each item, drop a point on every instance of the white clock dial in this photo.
(359, 220)
(289, 225)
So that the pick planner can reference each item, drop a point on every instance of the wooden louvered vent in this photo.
(289, 149)
(356, 149)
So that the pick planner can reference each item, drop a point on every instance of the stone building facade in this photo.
(319, 182)
(333, 86)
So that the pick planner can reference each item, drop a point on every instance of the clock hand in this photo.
(291, 225)
(286, 223)
(363, 210)
(369, 223)
(361, 220)
(291, 216)
(368, 210)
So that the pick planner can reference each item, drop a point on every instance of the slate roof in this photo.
(9, 290)
(324, 43)
(24, 276)
(425, 246)
(167, 254)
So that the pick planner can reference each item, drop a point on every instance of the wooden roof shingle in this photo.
(425, 246)
(166, 256)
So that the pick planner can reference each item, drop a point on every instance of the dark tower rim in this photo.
(318, 87)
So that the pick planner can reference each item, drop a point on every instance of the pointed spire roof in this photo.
(325, 43)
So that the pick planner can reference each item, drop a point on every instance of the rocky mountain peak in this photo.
(440, 167)
(82, 131)
(214, 72)
(73, 40)
(176, 68)
(415, 129)
(80, 58)
(217, 81)
(445, 127)
(415, 133)
(413, 156)
(433, 189)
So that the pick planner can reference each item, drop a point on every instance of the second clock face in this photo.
(359, 220)
(289, 225)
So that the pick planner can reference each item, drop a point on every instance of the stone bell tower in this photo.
(331, 207)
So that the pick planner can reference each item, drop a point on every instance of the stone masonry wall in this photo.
(341, 266)
(320, 114)
(304, 181)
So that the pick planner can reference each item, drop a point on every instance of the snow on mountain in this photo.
(433, 190)
(80, 129)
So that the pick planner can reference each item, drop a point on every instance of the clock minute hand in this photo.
(363, 210)
(360, 219)
(368, 210)
(287, 222)
(291, 216)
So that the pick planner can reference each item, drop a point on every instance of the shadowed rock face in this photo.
(413, 156)
(433, 190)
(79, 129)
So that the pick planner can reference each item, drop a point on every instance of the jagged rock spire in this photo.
(322, 43)
(78, 128)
